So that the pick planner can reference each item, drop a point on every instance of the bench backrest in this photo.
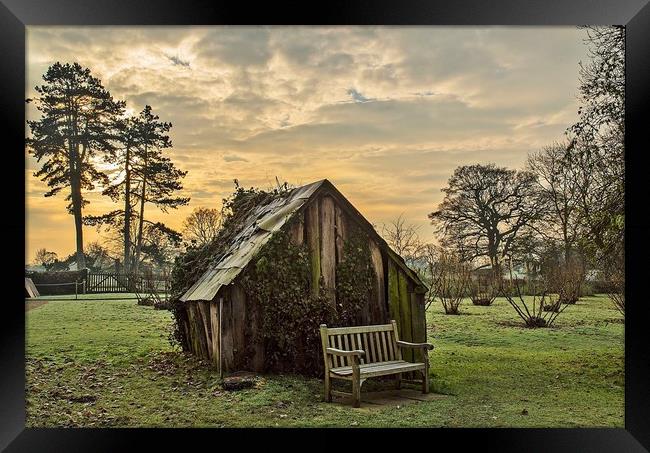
(378, 342)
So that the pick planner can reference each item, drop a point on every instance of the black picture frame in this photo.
(15, 15)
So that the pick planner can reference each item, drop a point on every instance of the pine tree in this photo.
(156, 176)
(77, 124)
(123, 158)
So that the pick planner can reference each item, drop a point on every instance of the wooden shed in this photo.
(221, 322)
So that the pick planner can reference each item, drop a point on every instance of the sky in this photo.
(385, 113)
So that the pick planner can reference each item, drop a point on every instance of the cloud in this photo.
(235, 46)
(386, 113)
(178, 61)
(358, 97)
(234, 158)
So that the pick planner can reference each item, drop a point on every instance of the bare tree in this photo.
(45, 258)
(202, 225)
(485, 209)
(450, 279)
(559, 190)
(99, 254)
(403, 238)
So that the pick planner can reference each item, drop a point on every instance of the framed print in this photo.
(360, 215)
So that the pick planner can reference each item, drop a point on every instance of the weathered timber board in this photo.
(255, 336)
(341, 233)
(227, 334)
(405, 331)
(238, 332)
(205, 317)
(214, 323)
(379, 294)
(328, 247)
(393, 292)
(312, 233)
(297, 231)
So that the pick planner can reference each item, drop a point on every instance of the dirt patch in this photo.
(389, 398)
(31, 304)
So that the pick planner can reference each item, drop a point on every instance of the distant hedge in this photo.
(42, 279)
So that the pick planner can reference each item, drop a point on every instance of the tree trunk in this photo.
(75, 185)
(141, 218)
(127, 212)
(567, 245)
(75, 195)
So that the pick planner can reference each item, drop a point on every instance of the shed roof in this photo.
(259, 226)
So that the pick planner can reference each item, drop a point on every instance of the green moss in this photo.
(393, 292)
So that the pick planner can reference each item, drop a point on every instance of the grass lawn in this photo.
(101, 362)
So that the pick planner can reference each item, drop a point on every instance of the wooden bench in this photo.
(358, 353)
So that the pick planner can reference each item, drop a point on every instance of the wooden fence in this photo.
(109, 282)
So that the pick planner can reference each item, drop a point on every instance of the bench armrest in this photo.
(406, 344)
(341, 352)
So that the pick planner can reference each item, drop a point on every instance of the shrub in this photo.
(484, 290)
(542, 310)
(616, 289)
(450, 280)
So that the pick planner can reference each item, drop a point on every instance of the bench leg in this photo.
(356, 392)
(328, 388)
(398, 381)
(425, 373)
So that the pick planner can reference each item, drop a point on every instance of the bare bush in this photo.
(545, 306)
(566, 280)
(484, 290)
(450, 279)
(403, 238)
(616, 288)
(154, 289)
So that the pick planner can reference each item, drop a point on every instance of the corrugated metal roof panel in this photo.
(260, 225)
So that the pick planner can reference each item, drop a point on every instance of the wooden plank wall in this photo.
(328, 247)
(378, 306)
(324, 227)
(406, 307)
(238, 327)
(312, 235)
(227, 334)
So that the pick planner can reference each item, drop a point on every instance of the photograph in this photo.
(350, 226)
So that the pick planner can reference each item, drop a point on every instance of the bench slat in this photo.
(363, 359)
(375, 337)
(380, 369)
(382, 336)
(391, 351)
(358, 329)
